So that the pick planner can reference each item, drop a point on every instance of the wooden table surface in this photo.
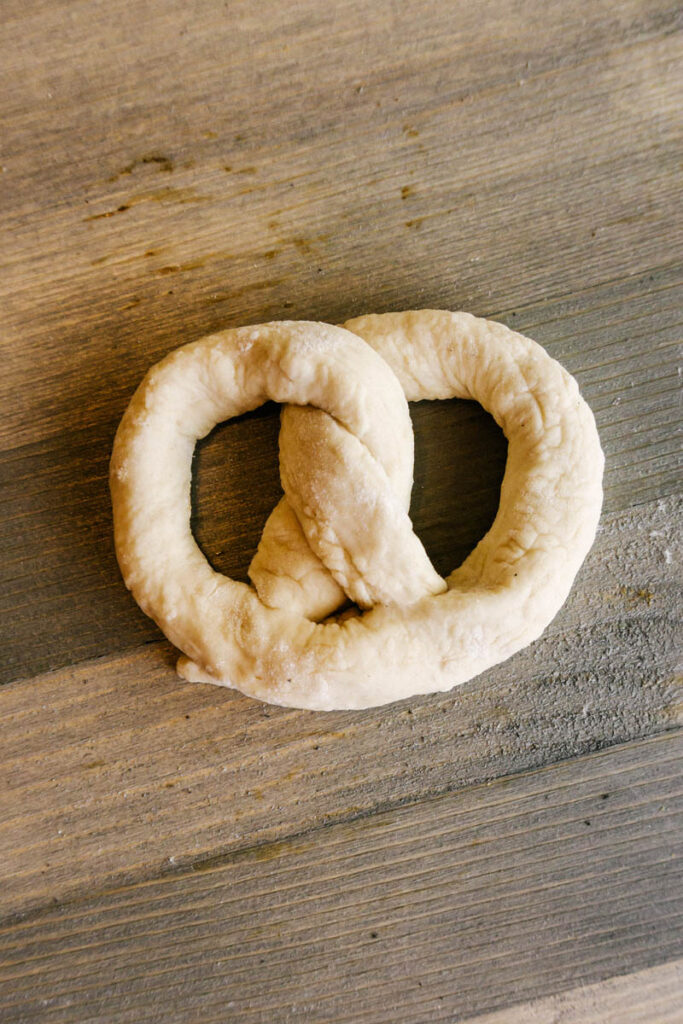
(509, 851)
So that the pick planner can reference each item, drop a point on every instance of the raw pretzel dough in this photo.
(342, 529)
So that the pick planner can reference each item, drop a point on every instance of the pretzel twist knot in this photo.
(342, 529)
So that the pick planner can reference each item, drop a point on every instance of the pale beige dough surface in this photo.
(346, 453)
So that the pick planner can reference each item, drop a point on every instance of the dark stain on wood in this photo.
(163, 195)
(109, 213)
(161, 163)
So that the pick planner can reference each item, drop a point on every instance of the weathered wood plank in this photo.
(654, 994)
(61, 595)
(429, 913)
(113, 769)
(443, 157)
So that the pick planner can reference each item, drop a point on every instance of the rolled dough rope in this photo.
(343, 528)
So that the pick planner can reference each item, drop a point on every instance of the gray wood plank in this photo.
(114, 769)
(171, 175)
(430, 913)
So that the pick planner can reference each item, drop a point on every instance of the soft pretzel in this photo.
(342, 529)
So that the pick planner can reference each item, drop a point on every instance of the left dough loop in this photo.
(342, 529)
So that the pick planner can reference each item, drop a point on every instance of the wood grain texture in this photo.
(142, 770)
(168, 170)
(651, 995)
(427, 914)
(227, 166)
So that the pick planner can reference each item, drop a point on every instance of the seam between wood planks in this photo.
(152, 916)
(216, 862)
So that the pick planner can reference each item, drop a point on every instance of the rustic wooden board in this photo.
(426, 914)
(142, 771)
(171, 169)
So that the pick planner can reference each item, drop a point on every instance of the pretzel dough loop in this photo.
(342, 528)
